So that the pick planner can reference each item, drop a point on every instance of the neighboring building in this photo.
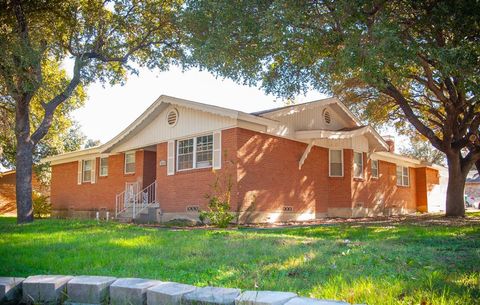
(8, 203)
(472, 186)
(297, 162)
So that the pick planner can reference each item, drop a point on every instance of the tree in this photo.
(407, 61)
(104, 40)
(92, 143)
(423, 150)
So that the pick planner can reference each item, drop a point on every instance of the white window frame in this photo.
(194, 159)
(403, 175)
(100, 167)
(125, 162)
(362, 175)
(83, 171)
(371, 168)
(330, 163)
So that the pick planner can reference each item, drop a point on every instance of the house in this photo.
(298, 162)
(8, 202)
(472, 186)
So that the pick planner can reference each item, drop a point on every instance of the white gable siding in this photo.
(359, 143)
(190, 122)
(306, 118)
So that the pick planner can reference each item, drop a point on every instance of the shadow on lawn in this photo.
(344, 261)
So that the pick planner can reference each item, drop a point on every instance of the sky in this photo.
(109, 109)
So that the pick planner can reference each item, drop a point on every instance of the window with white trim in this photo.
(130, 162)
(374, 168)
(358, 165)
(87, 170)
(195, 152)
(336, 162)
(103, 167)
(403, 176)
(204, 151)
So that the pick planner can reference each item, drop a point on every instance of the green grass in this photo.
(382, 263)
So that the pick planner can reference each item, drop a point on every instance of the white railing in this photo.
(136, 202)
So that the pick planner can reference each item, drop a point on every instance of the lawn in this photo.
(394, 262)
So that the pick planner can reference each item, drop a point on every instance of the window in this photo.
(130, 162)
(185, 154)
(87, 171)
(374, 168)
(336, 163)
(103, 167)
(204, 151)
(358, 165)
(195, 153)
(403, 176)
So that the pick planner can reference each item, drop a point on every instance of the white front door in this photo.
(131, 189)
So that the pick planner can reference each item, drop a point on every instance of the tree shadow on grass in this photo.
(373, 264)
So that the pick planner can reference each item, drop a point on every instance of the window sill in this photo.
(336, 177)
(129, 174)
(403, 186)
(359, 179)
(193, 170)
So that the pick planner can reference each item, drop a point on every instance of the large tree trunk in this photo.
(24, 161)
(24, 183)
(455, 203)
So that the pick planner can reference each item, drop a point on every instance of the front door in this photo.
(131, 189)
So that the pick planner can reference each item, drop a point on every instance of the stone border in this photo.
(103, 290)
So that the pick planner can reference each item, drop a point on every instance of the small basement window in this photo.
(172, 117)
(193, 208)
(403, 176)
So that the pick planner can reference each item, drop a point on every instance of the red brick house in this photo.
(8, 197)
(297, 162)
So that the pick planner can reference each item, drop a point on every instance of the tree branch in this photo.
(393, 92)
(52, 105)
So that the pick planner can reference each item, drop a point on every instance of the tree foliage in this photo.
(414, 63)
(422, 150)
(103, 39)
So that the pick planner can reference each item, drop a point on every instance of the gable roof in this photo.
(163, 101)
(323, 102)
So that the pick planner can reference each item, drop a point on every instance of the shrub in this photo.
(218, 213)
(41, 205)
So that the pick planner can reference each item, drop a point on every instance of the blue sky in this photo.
(109, 110)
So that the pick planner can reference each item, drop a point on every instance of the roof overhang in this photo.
(148, 116)
(287, 110)
(378, 143)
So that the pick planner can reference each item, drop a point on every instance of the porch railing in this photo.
(126, 201)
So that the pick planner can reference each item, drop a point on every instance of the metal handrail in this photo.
(139, 201)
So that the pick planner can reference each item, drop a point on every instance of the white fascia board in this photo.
(74, 155)
(399, 159)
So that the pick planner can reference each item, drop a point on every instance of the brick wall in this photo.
(189, 188)
(8, 202)
(265, 179)
(269, 179)
(66, 194)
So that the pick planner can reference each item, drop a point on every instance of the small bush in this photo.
(219, 212)
(41, 205)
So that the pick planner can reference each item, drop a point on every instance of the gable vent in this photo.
(172, 117)
(326, 117)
